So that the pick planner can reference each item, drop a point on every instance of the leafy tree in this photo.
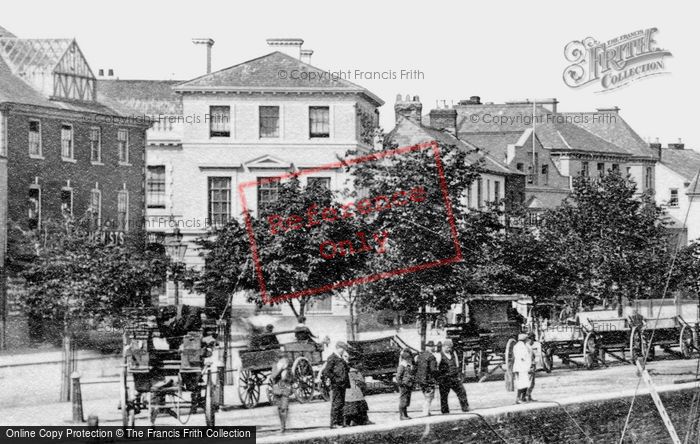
(610, 240)
(418, 234)
(686, 272)
(75, 282)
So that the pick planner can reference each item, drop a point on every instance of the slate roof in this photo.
(147, 97)
(685, 162)
(496, 125)
(263, 74)
(616, 130)
(407, 131)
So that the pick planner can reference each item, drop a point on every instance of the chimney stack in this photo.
(411, 108)
(291, 47)
(209, 43)
(677, 146)
(306, 54)
(656, 146)
(444, 119)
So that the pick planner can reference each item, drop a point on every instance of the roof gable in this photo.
(267, 161)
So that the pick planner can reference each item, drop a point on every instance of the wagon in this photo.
(257, 364)
(168, 357)
(378, 358)
(486, 340)
(669, 324)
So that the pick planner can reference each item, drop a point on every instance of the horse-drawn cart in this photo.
(486, 339)
(257, 364)
(169, 354)
(378, 358)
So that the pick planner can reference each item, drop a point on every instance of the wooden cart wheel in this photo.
(548, 359)
(479, 363)
(128, 412)
(636, 344)
(209, 400)
(303, 375)
(589, 348)
(686, 342)
(248, 389)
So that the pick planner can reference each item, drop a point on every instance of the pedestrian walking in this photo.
(426, 369)
(533, 367)
(337, 371)
(523, 363)
(405, 378)
(355, 410)
(281, 379)
(450, 378)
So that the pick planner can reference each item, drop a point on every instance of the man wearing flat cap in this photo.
(450, 378)
(337, 371)
(426, 370)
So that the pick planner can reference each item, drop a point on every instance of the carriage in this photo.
(486, 338)
(168, 358)
(601, 333)
(258, 361)
(378, 358)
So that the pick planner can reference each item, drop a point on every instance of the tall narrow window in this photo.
(545, 174)
(95, 144)
(34, 138)
(601, 168)
(3, 134)
(95, 209)
(479, 193)
(649, 179)
(496, 191)
(323, 182)
(34, 211)
(673, 199)
(268, 192)
(155, 186)
(584, 169)
(123, 142)
(269, 121)
(530, 175)
(67, 141)
(123, 210)
(319, 121)
(67, 202)
(219, 121)
(219, 200)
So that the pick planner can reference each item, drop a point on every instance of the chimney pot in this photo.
(291, 47)
(209, 43)
(409, 109)
(444, 119)
(305, 55)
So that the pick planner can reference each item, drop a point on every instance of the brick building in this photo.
(61, 150)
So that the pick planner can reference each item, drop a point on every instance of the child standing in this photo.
(405, 377)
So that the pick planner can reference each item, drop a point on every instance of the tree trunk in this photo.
(423, 327)
(353, 327)
(68, 365)
(619, 304)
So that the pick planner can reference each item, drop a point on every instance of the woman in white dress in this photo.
(523, 367)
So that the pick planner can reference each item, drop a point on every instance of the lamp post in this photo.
(176, 250)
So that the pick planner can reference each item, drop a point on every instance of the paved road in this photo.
(560, 385)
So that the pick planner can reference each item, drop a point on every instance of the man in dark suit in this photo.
(337, 371)
(450, 378)
(426, 369)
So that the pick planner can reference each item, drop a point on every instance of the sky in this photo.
(500, 51)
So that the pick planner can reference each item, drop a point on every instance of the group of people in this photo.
(347, 387)
(431, 369)
(437, 367)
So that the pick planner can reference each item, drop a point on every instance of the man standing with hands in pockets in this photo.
(337, 370)
(426, 369)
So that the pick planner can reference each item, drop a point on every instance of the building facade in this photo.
(242, 124)
(677, 188)
(553, 147)
(63, 151)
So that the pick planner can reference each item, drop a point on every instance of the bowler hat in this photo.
(430, 344)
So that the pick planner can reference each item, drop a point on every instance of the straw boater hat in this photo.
(522, 336)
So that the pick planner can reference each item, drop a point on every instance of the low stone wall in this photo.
(598, 421)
